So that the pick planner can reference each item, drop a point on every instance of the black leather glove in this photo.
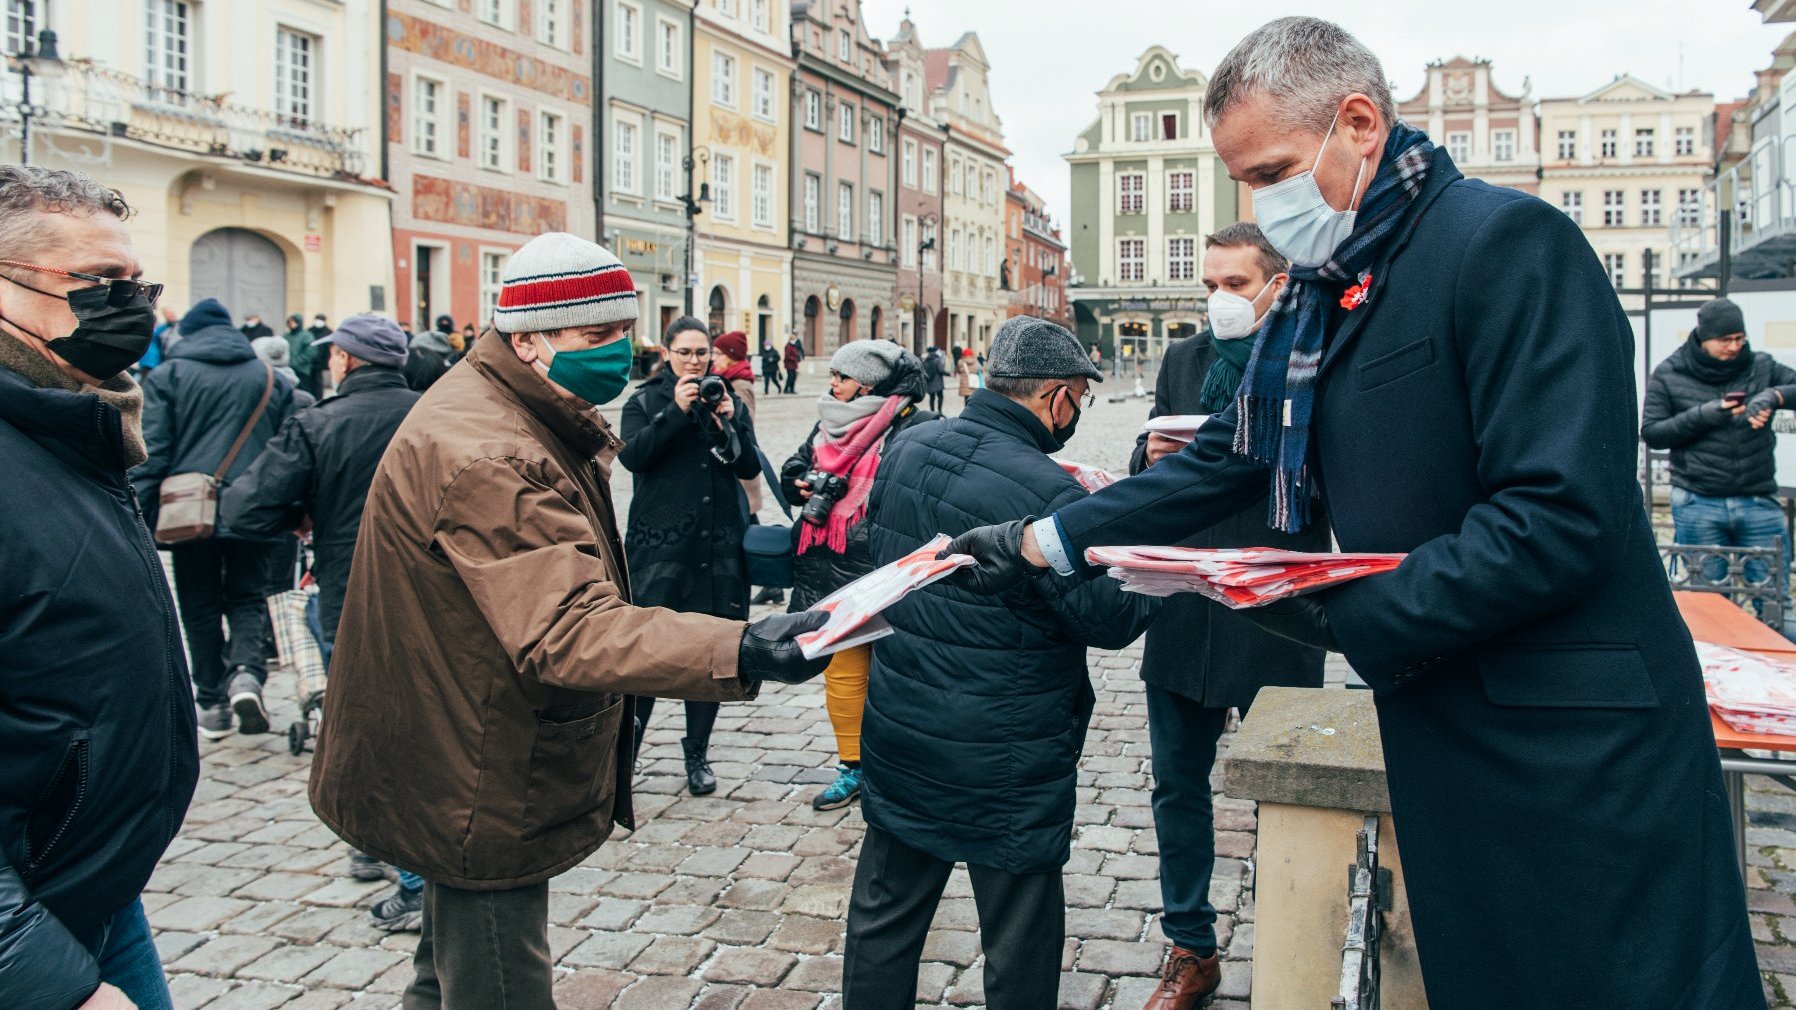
(1763, 400)
(769, 649)
(1302, 619)
(999, 553)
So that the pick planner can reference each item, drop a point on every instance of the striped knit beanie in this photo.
(557, 281)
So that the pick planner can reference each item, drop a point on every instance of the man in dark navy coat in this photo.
(1450, 369)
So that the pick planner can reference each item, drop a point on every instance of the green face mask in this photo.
(595, 375)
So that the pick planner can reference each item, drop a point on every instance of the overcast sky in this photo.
(1047, 67)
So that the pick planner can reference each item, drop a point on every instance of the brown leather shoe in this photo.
(1186, 981)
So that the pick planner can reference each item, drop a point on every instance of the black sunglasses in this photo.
(120, 291)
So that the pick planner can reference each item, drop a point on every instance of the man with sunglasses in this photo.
(97, 752)
(977, 706)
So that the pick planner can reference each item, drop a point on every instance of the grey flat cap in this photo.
(1027, 347)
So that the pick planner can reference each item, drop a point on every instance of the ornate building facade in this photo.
(959, 96)
(1489, 134)
(920, 149)
(1034, 267)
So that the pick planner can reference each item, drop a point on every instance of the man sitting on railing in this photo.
(1711, 403)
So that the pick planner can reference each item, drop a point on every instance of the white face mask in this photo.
(1232, 316)
(1297, 219)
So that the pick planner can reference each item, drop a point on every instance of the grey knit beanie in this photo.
(868, 362)
(1719, 318)
(1029, 347)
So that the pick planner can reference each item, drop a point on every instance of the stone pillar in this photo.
(1313, 760)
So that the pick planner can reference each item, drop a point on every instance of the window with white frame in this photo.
(876, 217)
(723, 79)
(1689, 207)
(723, 187)
(551, 134)
(166, 38)
(876, 134)
(757, 15)
(493, 133)
(548, 23)
(670, 48)
(845, 211)
(1568, 144)
(928, 239)
(497, 12)
(1616, 266)
(430, 98)
(1607, 143)
(908, 157)
(813, 110)
(1572, 202)
(909, 232)
(667, 164)
(1652, 214)
(1131, 259)
(492, 281)
(955, 176)
(295, 74)
(1686, 141)
(991, 256)
(1459, 145)
(1644, 145)
(1502, 145)
(21, 24)
(764, 95)
(1131, 193)
(929, 180)
(1141, 127)
(727, 8)
(627, 25)
(954, 261)
(624, 131)
(1614, 204)
(1181, 259)
(844, 46)
(988, 187)
(1181, 192)
(761, 188)
(813, 203)
(845, 123)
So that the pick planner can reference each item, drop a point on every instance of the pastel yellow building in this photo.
(245, 135)
(741, 122)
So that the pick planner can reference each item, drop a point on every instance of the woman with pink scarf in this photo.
(874, 388)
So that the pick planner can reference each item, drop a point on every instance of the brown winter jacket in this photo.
(478, 706)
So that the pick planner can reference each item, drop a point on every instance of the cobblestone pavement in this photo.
(736, 900)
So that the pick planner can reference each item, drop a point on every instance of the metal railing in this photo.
(95, 100)
(1746, 575)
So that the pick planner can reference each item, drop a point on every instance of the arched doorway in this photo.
(874, 319)
(719, 305)
(243, 270)
(1131, 341)
(813, 326)
(846, 333)
(763, 320)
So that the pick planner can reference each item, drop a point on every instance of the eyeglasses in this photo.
(120, 291)
(691, 352)
(1738, 338)
(1087, 399)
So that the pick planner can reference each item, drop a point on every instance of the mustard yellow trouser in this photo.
(845, 695)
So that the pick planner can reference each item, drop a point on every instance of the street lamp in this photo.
(694, 207)
(44, 61)
(922, 247)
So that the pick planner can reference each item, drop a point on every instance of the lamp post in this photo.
(694, 207)
(41, 60)
(922, 247)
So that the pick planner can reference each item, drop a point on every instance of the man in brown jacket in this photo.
(488, 649)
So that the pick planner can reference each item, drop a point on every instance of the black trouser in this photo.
(935, 401)
(768, 378)
(220, 582)
(791, 380)
(1022, 926)
(700, 717)
(483, 950)
(1182, 735)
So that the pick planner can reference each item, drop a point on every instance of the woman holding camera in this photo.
(688, 441)
(874, 387)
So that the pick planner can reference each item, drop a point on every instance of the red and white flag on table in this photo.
(1089, 477)
(1752, 693)
(855, 608)
(1236, 577)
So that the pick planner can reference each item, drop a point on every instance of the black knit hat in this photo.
(1719, 318)
(1028, 347)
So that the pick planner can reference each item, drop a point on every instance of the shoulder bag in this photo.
(187, 507)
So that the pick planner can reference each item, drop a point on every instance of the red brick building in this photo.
(1034, 270)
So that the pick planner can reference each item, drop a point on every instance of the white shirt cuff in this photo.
(1047, 539)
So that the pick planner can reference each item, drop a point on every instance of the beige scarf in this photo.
(121, 391)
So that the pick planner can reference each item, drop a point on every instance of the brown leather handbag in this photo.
(187, 507)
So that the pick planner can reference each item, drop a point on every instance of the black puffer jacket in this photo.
(687, 516)
(977, 706)
(320, 465)
(820, 571)
(1712, 452)
(98, 757)
(197, 400)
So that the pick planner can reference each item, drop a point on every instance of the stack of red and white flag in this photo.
(855, 608)
(1751, 692)
(1090, 478)
(1236, 577)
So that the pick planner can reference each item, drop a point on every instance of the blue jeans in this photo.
(1183, 735)
(410, 881)
(128, 959)
(1728, 522)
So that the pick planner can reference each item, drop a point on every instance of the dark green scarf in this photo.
(1224, 377)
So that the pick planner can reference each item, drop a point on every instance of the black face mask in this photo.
(1064, 433)
(108, 338)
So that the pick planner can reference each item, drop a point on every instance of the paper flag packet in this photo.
(1751, 692)
(1236, 577)
(854, 609)
(1089, 477)
(1180, 426)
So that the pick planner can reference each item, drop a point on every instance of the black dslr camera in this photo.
(826, 489)
(712, 389)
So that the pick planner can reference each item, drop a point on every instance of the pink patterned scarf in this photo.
(854, 455)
